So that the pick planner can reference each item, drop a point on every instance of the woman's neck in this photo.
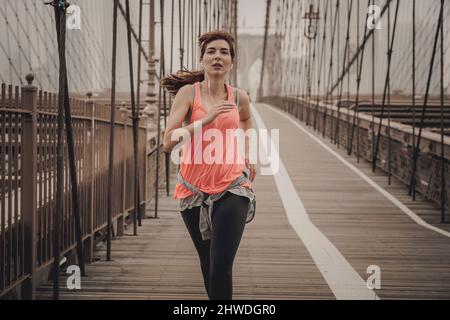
(215, 86)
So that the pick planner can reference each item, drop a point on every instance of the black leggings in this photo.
(217, 254)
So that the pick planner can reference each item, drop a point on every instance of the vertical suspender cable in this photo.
(188, 45)
(158, 137)
(171, 37)
(372, 124)
(217, 8)
(181, 21)
(443, 188)
(411, 193)
(288, 82)
(218, 14)
(266, 31)
(111, 131)
(308, 81)
(215, 14)
(210, 19)
(60, 26)
(337, 129)
(330, 72)
(193, 32)
(162, 95)
(295, 33)
(205, 5)
(388, 83)
(301, 84)
(358, 80)
(11, 65)
(341, 88)
(163, 62)
(135, 117)
(200, 24)
(311, 75)
(235, 19)
(167, 156)
(322, 52)
(193, 46)
(348, 81)
(138, 93)
(21, 52)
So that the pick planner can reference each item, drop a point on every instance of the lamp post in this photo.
(151, 110)
(310, 32)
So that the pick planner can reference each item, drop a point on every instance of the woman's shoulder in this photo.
(241, 96)
(187, 93)
(241, 92)
(187, 90)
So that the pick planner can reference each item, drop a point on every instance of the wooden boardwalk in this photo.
(273, 262)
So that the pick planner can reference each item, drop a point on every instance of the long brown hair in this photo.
(174, 82)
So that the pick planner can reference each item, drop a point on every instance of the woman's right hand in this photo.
(217, 109)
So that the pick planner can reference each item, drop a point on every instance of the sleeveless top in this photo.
(201, 184)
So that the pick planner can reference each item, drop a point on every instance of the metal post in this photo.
(89, 247)
(120, 223)
(151, 90)
(151, 85)
(29, 185)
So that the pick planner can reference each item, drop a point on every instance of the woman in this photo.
(216, 199)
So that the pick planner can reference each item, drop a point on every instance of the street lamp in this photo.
(310, 33)
(313, 18)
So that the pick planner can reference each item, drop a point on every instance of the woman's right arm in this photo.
(180, 107)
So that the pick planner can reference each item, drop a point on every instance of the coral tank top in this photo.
(207, 175)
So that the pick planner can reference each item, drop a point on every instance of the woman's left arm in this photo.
(245, 123)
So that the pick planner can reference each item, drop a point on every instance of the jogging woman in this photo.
(216, 197)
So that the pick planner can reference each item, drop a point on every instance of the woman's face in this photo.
(217, 59)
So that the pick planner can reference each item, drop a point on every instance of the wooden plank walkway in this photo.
(272, 261)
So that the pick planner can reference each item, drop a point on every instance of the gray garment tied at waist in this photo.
(206, 201)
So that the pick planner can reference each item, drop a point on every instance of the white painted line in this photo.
(363, 176)
(343, 280)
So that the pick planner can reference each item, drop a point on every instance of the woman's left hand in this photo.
(252, 168)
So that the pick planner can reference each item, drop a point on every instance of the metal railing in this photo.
(325, 118)
(28, 129)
